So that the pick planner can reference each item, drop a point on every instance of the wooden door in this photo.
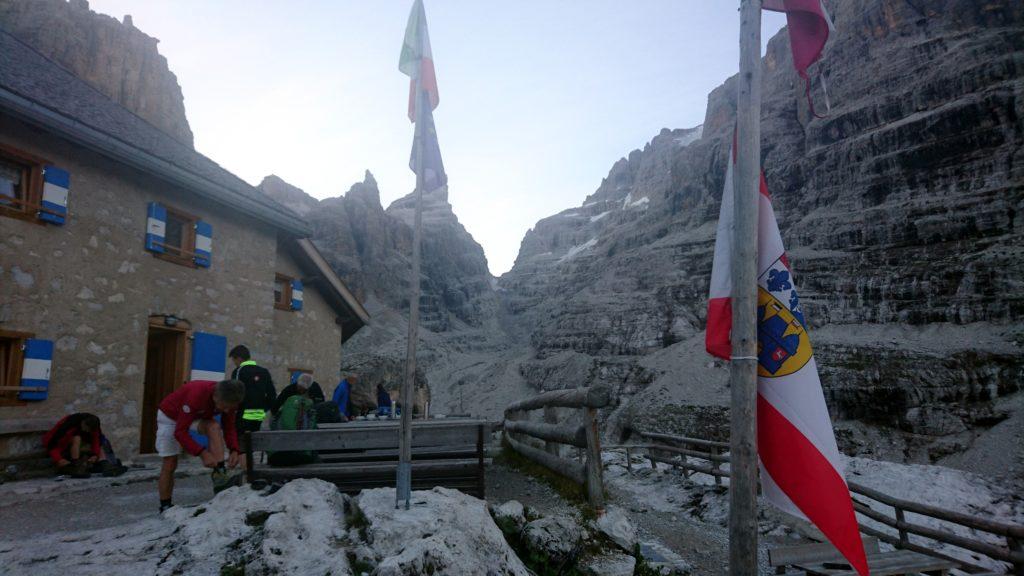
(165, 368)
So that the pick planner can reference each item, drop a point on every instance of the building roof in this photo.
(43, 93)
(351, 314)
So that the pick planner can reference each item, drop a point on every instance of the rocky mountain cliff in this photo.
(900, 211)
(114, 57)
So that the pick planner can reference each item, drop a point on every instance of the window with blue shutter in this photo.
(35, 369)
(56, 183)
(209, 356)
(156, 227)
(204, 244)
(296, 294)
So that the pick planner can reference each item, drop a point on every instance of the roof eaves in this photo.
(120, 151)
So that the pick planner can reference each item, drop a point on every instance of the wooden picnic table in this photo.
(895, 563)
(822, 559)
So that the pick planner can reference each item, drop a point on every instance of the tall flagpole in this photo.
(404, 480)
(743, 367)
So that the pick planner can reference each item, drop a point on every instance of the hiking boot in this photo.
(165, 506)
(110, 470)
(80, 469)
(224, 479)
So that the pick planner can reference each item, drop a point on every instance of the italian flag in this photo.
(417, 61)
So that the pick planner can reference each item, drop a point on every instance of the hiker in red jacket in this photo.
(193, 407)
(68, 442)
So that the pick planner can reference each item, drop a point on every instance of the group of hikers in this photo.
(204, 417)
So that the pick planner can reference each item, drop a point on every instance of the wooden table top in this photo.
(896, 563)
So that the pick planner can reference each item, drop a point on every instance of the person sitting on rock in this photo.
(77, 447)
(195, 406)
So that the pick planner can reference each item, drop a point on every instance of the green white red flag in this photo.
(417, 60)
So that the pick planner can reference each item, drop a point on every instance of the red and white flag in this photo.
(809, 28)
(801, 472)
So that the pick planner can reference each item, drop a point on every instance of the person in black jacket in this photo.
(260, 394)
(316, 393)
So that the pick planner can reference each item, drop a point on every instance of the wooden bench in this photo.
(823, 559)
(361, 455)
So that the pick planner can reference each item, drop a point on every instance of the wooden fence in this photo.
(676, 451)
(586, 436)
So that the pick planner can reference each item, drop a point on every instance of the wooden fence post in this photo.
(551, 417)
(904, 537)
(716, 465)
(1016, 545)
(595, 486)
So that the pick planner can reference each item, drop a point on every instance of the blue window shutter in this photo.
(156, 227)
(204, 244)
(56, 183)
(296, 294)
(209, 353)
(35, 371)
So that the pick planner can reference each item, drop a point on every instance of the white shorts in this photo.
(166, 443)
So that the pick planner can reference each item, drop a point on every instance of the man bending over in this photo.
(193, 408)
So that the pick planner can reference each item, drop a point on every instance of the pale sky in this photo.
(538, 97)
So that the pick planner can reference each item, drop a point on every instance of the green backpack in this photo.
(296, 413)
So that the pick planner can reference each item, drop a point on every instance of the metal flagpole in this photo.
(404, 480)
(743, 367)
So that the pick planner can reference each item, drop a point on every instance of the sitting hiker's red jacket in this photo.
(58, 440)
(194, 401)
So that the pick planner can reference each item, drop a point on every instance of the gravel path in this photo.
(105, 506)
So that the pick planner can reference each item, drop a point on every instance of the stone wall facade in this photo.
(309, 339)
(90, 287)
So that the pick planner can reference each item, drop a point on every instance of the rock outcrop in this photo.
(114, 57)
(900, 211)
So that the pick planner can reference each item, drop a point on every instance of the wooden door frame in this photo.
(182, 329)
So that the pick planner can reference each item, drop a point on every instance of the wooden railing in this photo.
(664, 447)
(585, 437)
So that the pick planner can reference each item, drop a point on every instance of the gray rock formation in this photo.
(899, 210)
(116, 58)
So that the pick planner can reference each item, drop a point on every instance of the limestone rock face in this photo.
(900, 212)
(116, 58)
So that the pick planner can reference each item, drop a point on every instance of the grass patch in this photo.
(565, 487)
(257, 518)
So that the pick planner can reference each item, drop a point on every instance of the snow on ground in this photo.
(443, 532)
(578, 249)
(691, 137)
(305, 527)
(666, 490)
(599, 216)
(945, 488)
(268, 533)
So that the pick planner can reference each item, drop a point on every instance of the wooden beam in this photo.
(683, 440)
(743, 367)
(595, 483)
(564, 434)
(593, 397)
(978, 523)
(567, 468)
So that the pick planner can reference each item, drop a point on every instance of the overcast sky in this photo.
(538, 97)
